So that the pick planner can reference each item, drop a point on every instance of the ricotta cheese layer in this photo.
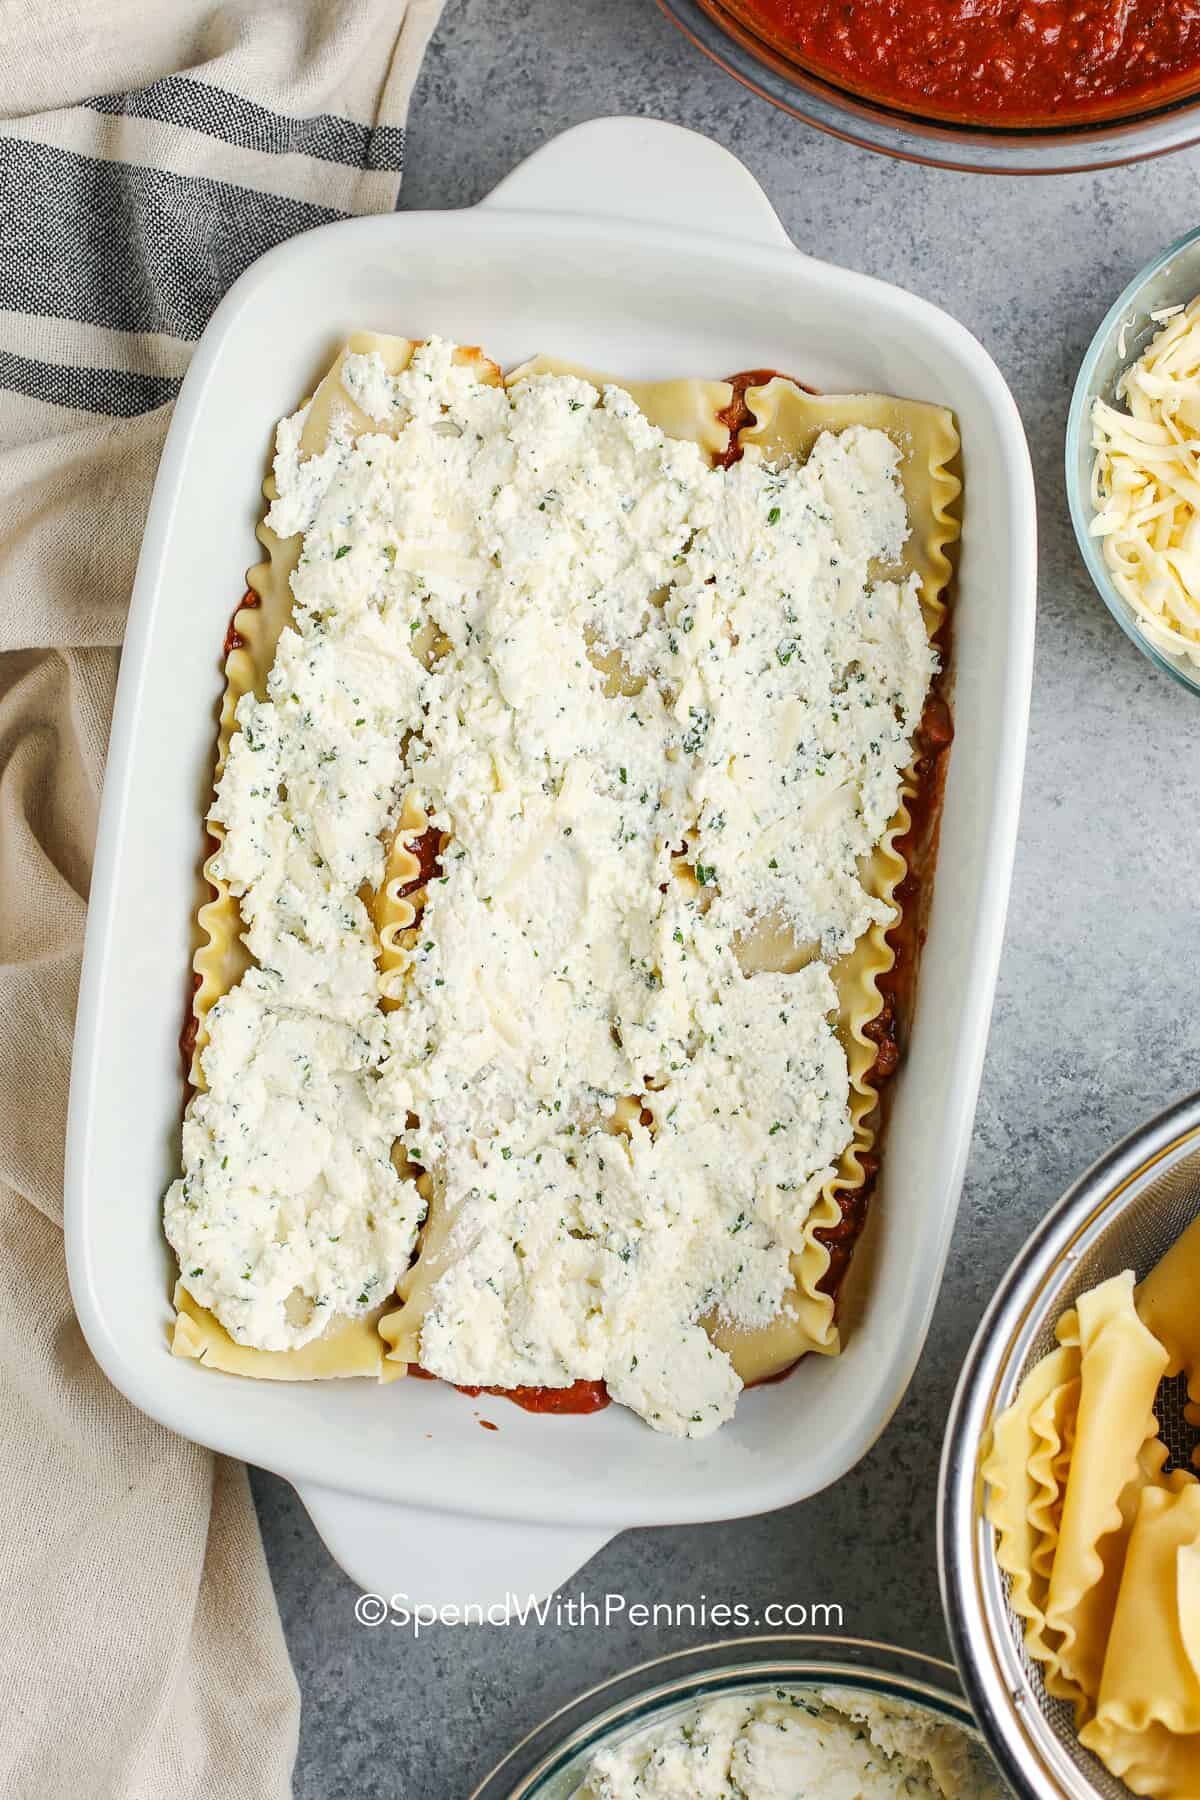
(797, 1744)
(661, 719)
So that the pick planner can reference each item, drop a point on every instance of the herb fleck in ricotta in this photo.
(669, 711)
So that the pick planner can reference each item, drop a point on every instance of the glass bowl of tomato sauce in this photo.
(996, 86)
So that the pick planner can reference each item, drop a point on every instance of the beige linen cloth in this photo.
(149, 150)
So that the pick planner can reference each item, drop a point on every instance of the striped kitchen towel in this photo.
(149, 151)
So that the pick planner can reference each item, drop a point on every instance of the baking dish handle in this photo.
(647, 171)
(410, 1557)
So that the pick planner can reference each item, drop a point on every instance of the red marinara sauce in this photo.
(579, 1397)
(992, 62)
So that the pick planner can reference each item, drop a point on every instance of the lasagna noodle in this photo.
(788, 422)
(1078, 1681)
(1025, 1482)
(1168, 1302)
(348, 1346)
(352, 1349)
(684, 409)
(1147, 1723)
(1053, 1427)
(1120, 1365)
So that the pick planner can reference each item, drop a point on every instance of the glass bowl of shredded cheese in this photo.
(1133, 461)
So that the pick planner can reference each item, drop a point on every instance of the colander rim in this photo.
(993, 1678)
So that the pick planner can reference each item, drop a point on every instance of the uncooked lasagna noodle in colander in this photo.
(1099, 1538)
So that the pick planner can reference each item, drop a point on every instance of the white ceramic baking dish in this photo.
(633, 246)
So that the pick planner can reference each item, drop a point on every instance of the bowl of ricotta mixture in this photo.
(772, 1718)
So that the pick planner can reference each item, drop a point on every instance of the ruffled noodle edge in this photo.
(1146, 1727)
(1024, 1490)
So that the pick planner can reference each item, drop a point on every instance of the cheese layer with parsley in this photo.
(794, 1744)
(670, 707)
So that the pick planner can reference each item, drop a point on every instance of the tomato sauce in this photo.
(233, 637)
(992, 62)
(580, 1397)
(737, 416)
(427, 848)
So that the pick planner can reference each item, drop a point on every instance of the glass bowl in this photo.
(1172, 279)
(715, 28)
(550, 1762)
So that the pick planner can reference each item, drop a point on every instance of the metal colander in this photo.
(1125, 1213)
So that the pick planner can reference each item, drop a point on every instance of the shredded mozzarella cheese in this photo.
(1146, 484)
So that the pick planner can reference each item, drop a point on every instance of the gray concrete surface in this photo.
(1092, 1030)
